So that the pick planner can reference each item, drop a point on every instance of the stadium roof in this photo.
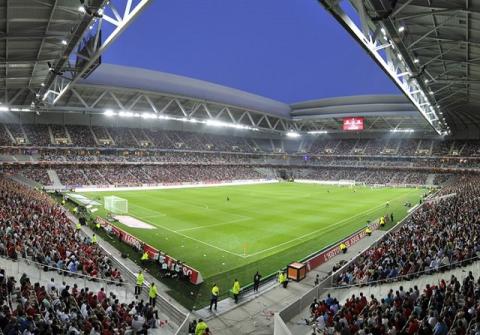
(34, 34)
(430, 49)
(381, 112)
(119, 89)
(153, 81)
(50, 56)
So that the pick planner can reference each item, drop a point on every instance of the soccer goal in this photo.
(116, 205)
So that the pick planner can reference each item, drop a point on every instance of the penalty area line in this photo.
(199, 241)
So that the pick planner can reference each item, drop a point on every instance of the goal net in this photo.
(116, 205)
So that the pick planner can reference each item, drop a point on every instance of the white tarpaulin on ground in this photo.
(132, 222)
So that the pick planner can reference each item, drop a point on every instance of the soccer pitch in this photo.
(261, 227)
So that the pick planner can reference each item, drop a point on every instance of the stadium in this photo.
(136, 201)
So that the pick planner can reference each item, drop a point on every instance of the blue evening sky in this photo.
(288, 50)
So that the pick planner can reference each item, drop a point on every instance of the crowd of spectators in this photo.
(443, 233)
(36, 173)
(370, 177)
(128, 175)
(114, 156)
(17, 132)
(33, 308)
(5, 138)
(59, 134)
(448, 307)
(33, 227)
(123, 137)
(37, 134)
(197, 167)
(83, 136)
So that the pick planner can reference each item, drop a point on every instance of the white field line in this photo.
(151, 216)
(148, 210)
(199, 241)
(322, 229)
(244, 218)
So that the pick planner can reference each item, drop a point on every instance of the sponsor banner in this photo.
(193, 274)
(333, 251)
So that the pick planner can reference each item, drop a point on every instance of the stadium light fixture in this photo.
(401, 29)
(126, 114)
(148, 116)
(64, 42)
(81, 9)
(404, 130)
(215, 123)
(4, 109)
(109, 112)
(317, 132)
(293, 134)
(416, 60)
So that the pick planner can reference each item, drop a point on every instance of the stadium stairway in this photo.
(52, 174)
(25, 181)
(255, 315)
(430, 179)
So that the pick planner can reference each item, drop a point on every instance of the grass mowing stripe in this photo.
(328, 228)
(196, 240)
(244, 218)
(278, 212)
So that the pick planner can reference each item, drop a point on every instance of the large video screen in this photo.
(353, 123)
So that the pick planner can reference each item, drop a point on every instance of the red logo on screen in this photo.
(353, 123)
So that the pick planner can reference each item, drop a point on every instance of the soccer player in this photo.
(228, 199)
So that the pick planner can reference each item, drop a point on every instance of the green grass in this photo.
(263, 227)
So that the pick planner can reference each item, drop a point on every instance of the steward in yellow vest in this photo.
(236, 290)
(214, 299)
(140, 281)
